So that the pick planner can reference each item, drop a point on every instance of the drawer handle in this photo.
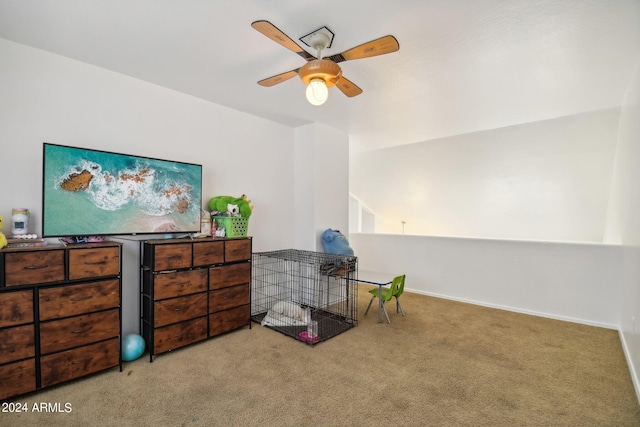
(104, 261)
(177, 309)
(82, 298)
(178, 336)
(80, 331)
(173, 256)
(35, 267)
(79, 362)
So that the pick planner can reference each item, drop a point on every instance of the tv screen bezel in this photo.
(132, 232)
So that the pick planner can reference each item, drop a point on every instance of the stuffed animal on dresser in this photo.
(231, 206)
(3, 239)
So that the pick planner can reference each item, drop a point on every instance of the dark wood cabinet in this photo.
(60, 314)
(192, 290)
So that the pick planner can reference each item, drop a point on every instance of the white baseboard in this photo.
(632, 370)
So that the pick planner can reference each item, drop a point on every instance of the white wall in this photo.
(573, 282)
(623, 225)
(46, 97)
(545, 180)
(321, 184)
(49, 98)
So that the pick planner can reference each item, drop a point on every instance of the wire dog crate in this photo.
(292, 288)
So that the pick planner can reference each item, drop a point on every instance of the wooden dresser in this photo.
(60, 314)
(192, 290)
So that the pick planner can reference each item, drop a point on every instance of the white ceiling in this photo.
(463, 66)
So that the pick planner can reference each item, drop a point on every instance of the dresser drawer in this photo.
(230, 297)
(79, 362)
(93, 262)
(228, 320)
(84, 298)
(27, 268)
(76, 331)
(17, 343)
(179, 309)
(16, 308)
(237, 250)
(207, 253)
(171, 257)
(17, 378)
(229, 275)
(179, 283)
(180, 334)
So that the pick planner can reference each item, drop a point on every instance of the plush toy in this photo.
(334, 242)
(3, 239)
(233, 206)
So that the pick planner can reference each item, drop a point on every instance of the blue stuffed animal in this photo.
(334, 242)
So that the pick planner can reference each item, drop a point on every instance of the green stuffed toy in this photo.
(3, 239)
(233, 206)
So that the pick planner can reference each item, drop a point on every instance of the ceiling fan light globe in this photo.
(317, 92)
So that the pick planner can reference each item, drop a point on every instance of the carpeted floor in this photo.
(444, 364)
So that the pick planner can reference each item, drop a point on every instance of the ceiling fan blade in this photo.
(278, 78)
(271, 31)
(348, 87)
(386, 44)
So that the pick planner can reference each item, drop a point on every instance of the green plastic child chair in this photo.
(395, 290)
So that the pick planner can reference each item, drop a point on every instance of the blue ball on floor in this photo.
(132, 347)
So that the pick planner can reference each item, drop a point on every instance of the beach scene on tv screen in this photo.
(88, 192)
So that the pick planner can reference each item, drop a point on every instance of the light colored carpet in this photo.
(445, 364)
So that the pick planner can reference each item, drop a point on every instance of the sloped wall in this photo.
(545, 180)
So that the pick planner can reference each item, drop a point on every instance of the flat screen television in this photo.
(89, 192)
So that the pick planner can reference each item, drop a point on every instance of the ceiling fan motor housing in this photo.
(324, 69)
(324, 72)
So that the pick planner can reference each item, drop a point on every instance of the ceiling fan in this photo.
(320, 73)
